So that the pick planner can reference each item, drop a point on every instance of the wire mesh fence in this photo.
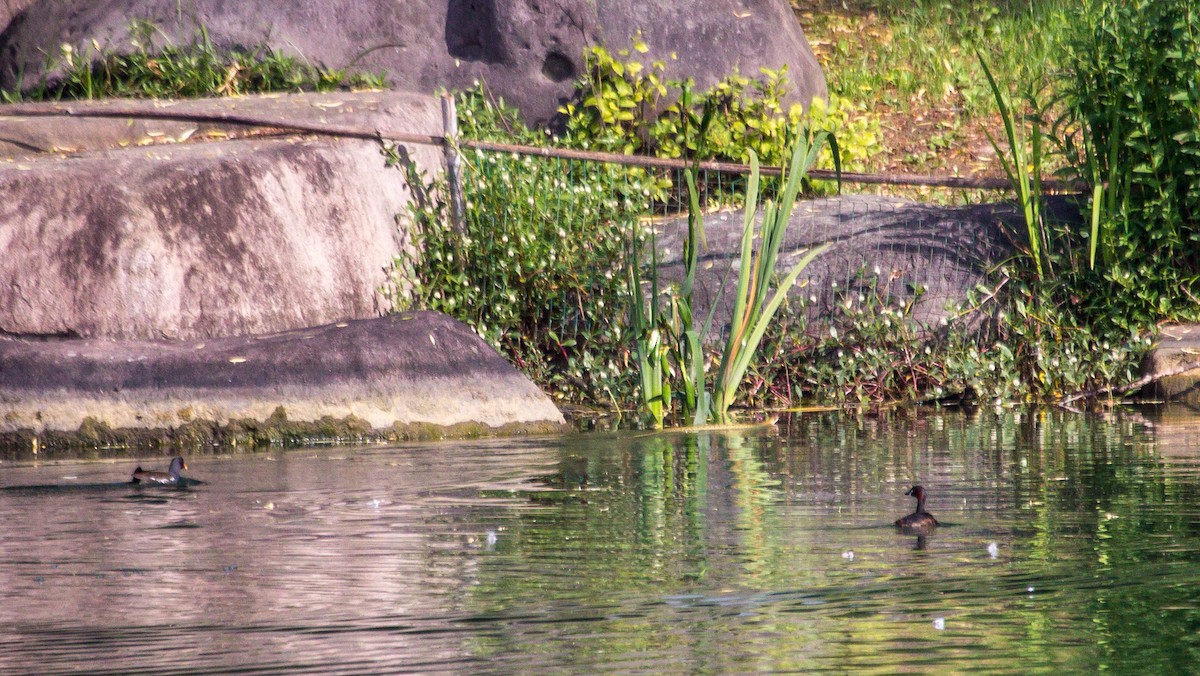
(898, 247)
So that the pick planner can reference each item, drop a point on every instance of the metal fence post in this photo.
(453, 164)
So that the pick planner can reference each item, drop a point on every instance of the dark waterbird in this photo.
(171, 476)
(919, 521)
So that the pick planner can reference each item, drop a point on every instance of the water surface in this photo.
(1069, 542)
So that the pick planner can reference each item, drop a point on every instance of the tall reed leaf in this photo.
(652, 352)
(1024, 172)
(753, 311)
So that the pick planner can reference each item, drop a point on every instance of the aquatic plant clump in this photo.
(1016, 338)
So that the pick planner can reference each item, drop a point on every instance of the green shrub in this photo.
(627, 107)
(540, 268)
(1132, 90)
(539, 271)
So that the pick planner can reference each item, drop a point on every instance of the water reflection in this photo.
(1067, 542)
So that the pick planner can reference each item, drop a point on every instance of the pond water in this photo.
(1069, 542)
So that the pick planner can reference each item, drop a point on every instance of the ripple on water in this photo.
(1069, 543)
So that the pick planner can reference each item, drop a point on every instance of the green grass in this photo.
(911, 54)
(911, 65)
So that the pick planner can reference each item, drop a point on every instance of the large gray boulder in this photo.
(904, 253)
(528, 52)
(184, 282)
(110, 232)
(399, 376)
(10, 8)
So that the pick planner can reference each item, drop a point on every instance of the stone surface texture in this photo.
(10, 8)
(1174, 365)
(528, 52)
(194, 240)
(897, 249)
(420, 368)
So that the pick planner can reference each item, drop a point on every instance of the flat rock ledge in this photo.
(1174, 366)
(405, 376)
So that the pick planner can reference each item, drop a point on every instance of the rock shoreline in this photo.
(415, 375)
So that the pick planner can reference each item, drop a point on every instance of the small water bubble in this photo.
(993, 550)
(939, 623)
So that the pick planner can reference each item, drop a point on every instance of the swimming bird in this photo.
(171, 476)
(920, 520)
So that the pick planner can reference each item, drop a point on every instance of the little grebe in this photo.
(919, 520)
(171, 476)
